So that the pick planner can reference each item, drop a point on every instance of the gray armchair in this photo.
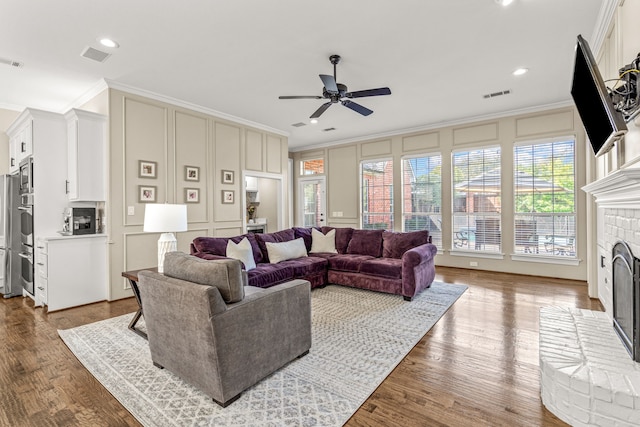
(209, 329)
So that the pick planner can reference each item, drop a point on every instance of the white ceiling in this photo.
(236, 57)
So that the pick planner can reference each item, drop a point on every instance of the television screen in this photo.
(603, 124)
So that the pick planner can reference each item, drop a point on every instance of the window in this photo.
(544, 198)
(477, 200)
(377, 194)
(422, 195)
(312, 167)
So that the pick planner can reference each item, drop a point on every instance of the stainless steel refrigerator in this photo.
(10, 238)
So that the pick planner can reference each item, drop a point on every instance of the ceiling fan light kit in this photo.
(336, 92)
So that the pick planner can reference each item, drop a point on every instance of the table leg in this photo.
(138, 315)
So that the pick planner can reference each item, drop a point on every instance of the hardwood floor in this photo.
(478, 366)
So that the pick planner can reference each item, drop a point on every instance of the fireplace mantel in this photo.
(619, 190)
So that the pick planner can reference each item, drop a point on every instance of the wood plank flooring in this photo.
(478, 366)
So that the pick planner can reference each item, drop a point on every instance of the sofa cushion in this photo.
(307, 266)
(242, 252)
(394, 245)
(366, 242)
(218, 245)
(345, 262)
(266, 275)
(277, 237)
(385, 267)
(286, 250)
(226, 275)
(343, 236)
(305, 233)
(323, 242)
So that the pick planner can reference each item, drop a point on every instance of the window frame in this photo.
(361, 191)
(437, 242)
(567, 251)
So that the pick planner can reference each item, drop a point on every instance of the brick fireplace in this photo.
(587, 375)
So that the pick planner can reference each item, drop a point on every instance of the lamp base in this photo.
(166, 243)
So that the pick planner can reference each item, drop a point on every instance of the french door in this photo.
(312, 202)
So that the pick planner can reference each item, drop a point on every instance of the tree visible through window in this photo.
(422, 195)
(544, 197)
(477, 200)
(377, 194)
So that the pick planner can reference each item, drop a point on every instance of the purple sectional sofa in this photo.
(378, 260)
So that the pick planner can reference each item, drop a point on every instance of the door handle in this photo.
(24, 255)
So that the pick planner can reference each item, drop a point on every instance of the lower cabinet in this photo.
(70, 271)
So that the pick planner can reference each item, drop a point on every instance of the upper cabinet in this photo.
(20, 144)
(86, 136)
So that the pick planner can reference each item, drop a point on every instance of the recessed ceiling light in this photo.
(520, 71)
(108, 42)
(504, 2)
(313, 121)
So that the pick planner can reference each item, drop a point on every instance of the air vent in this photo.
(494, 94)
(95, 54)
(298, 125)
(328, 129)
(11, 63)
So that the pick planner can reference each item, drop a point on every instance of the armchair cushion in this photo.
(225, 274)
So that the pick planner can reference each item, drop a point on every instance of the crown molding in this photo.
(603, 22)
(184, 104)
(94, 91)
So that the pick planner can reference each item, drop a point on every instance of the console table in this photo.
(132, 276)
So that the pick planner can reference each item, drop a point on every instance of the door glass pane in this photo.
(312, 205)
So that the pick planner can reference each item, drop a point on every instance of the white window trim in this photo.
(417, 156)
(360, 183)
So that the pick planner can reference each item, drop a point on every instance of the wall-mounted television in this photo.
(603, 124)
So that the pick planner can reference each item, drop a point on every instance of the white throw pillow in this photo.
(323, 242)
(243, 252)
(286, 250)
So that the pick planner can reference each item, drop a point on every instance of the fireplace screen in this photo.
(626, 318)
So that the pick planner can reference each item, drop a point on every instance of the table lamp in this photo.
(166, 219)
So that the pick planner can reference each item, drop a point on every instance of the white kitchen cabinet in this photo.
(20, 144)
(86, 136)
(71, 271)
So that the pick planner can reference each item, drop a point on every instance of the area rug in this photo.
(358, 337)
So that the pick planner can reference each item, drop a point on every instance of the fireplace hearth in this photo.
(626, 307)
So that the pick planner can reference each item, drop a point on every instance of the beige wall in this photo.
(342, 166)
(175, 137)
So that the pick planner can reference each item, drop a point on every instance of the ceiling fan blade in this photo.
(369, 92)
(300, 97)
(357, 107)
(320, 110)
(329, 83)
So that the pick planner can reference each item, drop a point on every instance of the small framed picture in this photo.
(191, 173)
(227, 196)
(192, 195)
(147, 193)
(227, 177)
(147, 169)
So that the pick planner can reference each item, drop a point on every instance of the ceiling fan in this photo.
(335, 92)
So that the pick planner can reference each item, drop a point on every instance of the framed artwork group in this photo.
(148, 193)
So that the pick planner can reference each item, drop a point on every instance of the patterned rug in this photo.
(358, 337)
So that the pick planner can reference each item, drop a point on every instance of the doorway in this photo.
(312, 202)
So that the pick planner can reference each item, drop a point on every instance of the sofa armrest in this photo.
(418, 269)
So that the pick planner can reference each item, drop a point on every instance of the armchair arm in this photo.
(418, 269)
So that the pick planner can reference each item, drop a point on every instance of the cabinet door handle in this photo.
(66, 187)
(40, 263)
(23, 147)
(13, 161)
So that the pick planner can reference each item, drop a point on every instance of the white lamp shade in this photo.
(165, 218)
